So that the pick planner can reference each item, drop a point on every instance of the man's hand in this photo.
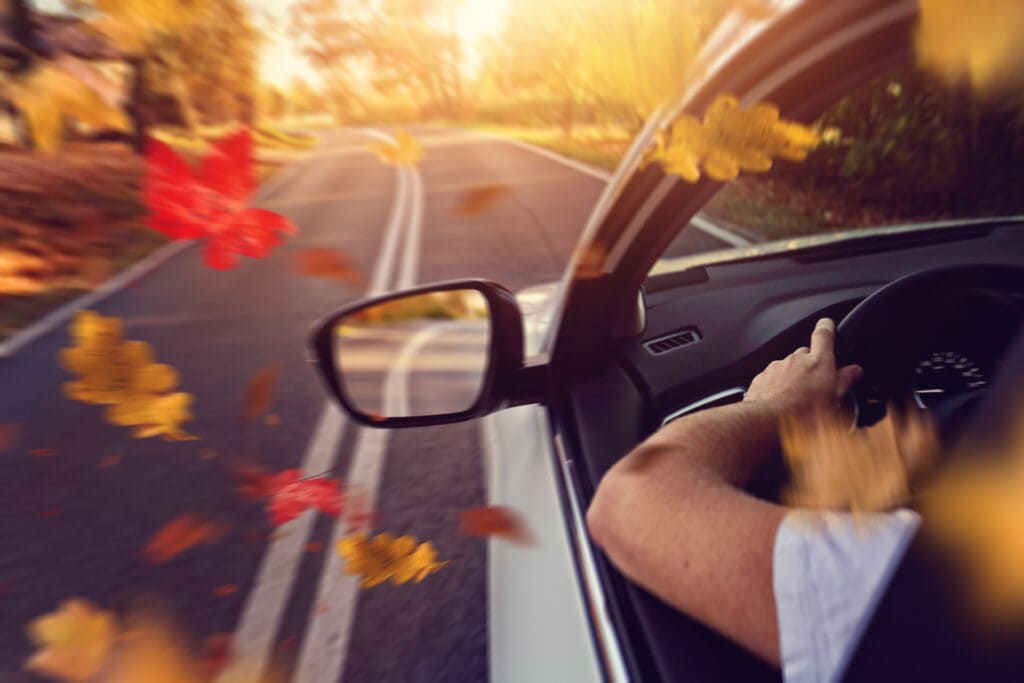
(806, 379)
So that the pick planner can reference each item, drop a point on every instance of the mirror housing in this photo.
(505, 380)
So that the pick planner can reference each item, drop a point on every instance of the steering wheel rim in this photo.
(890, 328)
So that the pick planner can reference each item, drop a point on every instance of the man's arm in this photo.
(673, 515)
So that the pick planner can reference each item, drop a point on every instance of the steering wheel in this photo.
(891, 330)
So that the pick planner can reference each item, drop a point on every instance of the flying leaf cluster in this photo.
(291, 495)
(836, 467)
(212, 203)
(73, 642)
(124, 376)
(383, 557)
(730, 139)
(48, 96)
(976, 508)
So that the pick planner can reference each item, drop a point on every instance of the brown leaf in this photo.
(8, 433)
(260, 391)
(180, 534)
(110, 461)
(495, 520)
(216, 653)
(314, 547)
(207, 453)
(49, 512)
(252, 481)
(479, 199)
(225, 590)
(331, 264)
(42, 452)
(272, 420)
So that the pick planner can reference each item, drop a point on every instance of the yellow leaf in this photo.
(48, 95)
(385, 557)
(406, 150)
(837, 467)
(124, 375)
(729, 140)
(982, 42)
(977, 509)
(74, 641)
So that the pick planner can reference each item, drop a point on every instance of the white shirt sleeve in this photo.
(829, 572)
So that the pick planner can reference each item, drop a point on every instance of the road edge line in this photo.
(592, 171)
(61, 315)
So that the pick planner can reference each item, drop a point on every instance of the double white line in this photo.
(325, 644)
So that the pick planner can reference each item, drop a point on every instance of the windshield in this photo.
(905, 151)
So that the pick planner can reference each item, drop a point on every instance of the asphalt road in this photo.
(74, 519)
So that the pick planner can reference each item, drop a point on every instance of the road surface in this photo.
(77, 513)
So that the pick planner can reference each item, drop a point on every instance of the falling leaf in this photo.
(314, 547)
(321, 608)
(385, 557)
(47, 96)
(42, 452)
(331, 264)
(225, 590)
(272, 420)
(976, 508)
(207, 453)
(292, 496)
(212, 205)
(8, 433)
(980, 42)
(836, 467)
(260, 391)
(252, 481)
(125, 376)
(495, 520)
(152, 649)
(729, 140)
(216, 653)
(180, 534)
(110, 461)
(73, 642)
(479, 199)
(405, 151)
(50, 512)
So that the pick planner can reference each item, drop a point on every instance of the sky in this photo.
(281, 63)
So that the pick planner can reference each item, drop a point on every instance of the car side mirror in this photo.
(431, 355)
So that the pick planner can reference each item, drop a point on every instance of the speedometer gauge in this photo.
(945, 373)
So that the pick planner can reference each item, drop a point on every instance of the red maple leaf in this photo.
(292, 496)
(213, 203)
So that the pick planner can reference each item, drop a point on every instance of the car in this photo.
(644, 328)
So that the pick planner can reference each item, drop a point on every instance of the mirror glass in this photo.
(420, 355)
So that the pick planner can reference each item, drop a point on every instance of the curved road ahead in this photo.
(74, 527)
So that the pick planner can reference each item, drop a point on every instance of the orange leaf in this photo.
(478, 199)
(252, 481)
(331, 264)
(272, 420)
(216, 653)
(225, 590)
(8, 432)
(110, 461)
(180, 534)
(494, 520)
(260, 391)
(314, 547)
(207, 454)
(42, 452)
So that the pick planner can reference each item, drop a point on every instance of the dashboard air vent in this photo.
(673, 341)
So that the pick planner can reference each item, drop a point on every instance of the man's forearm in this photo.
(728, 442)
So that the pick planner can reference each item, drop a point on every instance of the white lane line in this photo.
(410, 257)
(589, 170)
(728, 236)
(325, 646)
(266, 602)
(55, 318)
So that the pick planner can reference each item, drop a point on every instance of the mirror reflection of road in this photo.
(73, 524)
(420, 367)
